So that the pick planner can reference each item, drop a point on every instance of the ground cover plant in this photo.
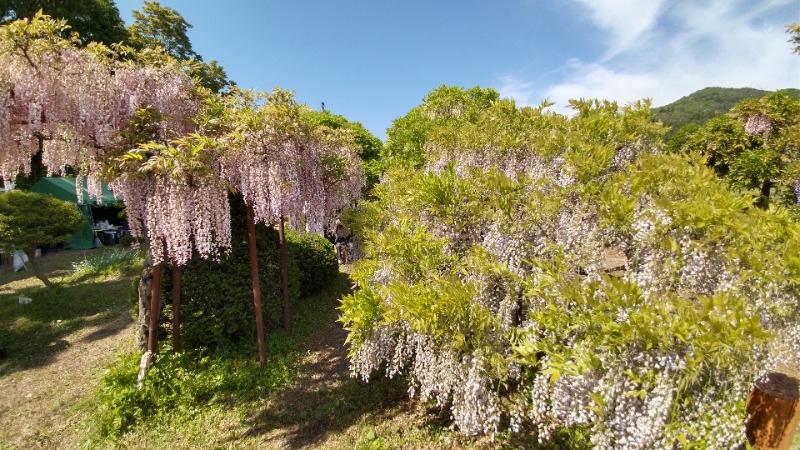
(546, 274)
(108, 261)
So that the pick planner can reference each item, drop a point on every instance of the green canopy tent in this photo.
(64, 189)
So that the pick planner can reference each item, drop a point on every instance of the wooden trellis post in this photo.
(773, 410)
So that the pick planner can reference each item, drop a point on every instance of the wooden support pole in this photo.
(251, 236)
(773, 410)
(287, 322)
(155, 300)
(176, 308)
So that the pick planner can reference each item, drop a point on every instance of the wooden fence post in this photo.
(773, 410)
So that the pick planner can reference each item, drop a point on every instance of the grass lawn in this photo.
(57, 347)
(61, 344)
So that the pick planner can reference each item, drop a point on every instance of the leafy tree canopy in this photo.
(443, 106)
(755, 146)
(93, 20)
(370, 147)
(28, 219)
(157, 25)
(161, 26)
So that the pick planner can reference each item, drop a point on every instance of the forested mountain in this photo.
(706, 103)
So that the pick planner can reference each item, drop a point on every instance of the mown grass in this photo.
(33, 333)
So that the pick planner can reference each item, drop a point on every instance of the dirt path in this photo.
(323, 402)
(41, 405)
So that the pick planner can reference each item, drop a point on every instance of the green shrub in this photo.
(217, 298)
(181, 383)
(494, 284)
(316, 259)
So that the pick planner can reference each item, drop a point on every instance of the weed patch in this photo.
(108, 262)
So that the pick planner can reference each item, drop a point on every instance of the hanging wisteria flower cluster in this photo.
(74, 100)
(283, 167)
(128, 117)
(553, 273)
(175, 198)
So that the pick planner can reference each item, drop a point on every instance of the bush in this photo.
(183, 382)
(316, 259)
(217, 299)
(495, 284)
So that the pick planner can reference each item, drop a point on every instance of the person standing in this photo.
(342, 235)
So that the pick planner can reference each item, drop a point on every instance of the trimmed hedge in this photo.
(217, 298)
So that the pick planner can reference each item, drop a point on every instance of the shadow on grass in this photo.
(34, 333)
(324, 399)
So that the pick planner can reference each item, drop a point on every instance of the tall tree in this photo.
(161, 26)
(93, 20)
(755, 146)
(157, 25)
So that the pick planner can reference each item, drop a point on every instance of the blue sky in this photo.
(372, 61)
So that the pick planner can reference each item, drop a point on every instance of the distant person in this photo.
(341, 237)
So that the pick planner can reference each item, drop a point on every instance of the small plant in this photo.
(127, 240)
(108, 262)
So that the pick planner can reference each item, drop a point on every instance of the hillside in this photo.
(706, 103)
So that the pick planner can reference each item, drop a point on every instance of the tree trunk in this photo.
(143, 318)
(36, 269)
(773, 410)
(763, 200)
(176, 308)
(251, 237)
(287, 327)
(37, 167)
(155, 309)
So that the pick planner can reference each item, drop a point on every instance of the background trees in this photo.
(157, 25)
(369, 147)
(93, 20)
(160, 26)
(443, 106)
(755, 147)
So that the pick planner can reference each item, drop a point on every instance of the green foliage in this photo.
(110, 261)
(755, 147)
(370, 147)
(489, 269)
(444, 106)
(217, 297)
(699, 107)
(93, 20)
(316, 261)
(794, 32)
(184, 386)
(209, 75)
(28, 219)
(157, 25)
(182, 383)
(161, 26)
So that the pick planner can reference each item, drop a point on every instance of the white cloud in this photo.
(674, 50)
(628, 21)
